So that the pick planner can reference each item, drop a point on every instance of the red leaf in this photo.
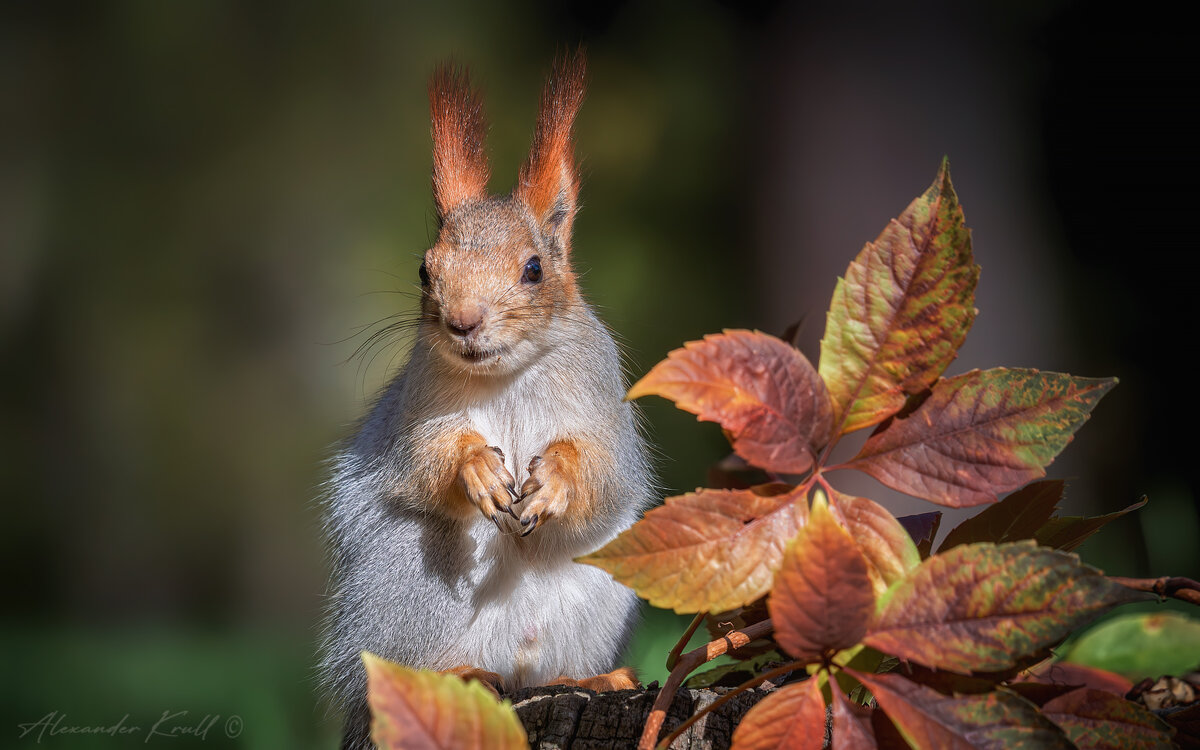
(980, 434)
(886, 545)
(851, 724)
(1101, 720)
(791, 718)
(708, 551)
(822, 597)
(1068, 532)
(929, 719)
(980, 607)
(898, 317)
(421, 710)
(1016, 517)
(762, 391)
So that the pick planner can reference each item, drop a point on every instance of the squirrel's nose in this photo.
(463, 322)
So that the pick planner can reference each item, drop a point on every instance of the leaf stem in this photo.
(732, 640)
(825, 485)
(747, 685)
(1175, 587)
(673, 657)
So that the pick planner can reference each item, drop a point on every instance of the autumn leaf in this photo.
(979, 434)
(707, 551)
(422, 710)
(851, 724)
(887, 546)
(1016, 517)
(822, 598)
(792, 717)
(980, 607)
(901, 312)
(1068, 532)
(928, 719)
(762, 391)
(1100, 720)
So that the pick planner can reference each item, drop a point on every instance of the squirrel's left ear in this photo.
(549, 185)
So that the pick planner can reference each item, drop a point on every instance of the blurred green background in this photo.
(206, 206)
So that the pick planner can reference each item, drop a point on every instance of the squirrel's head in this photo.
(497, 285)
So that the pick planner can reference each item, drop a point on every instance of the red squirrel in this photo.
(501, 451)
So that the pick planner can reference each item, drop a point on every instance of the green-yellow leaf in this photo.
(901, 312)
(981, 607)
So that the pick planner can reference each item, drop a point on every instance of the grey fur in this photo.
(407, 579)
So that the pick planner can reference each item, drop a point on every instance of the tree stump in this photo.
(571, 718)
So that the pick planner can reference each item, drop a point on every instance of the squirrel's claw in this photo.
(531, 522)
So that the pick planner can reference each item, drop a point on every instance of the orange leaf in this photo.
(421, 710)
(887, 546)
(822, 598)
(898, 317)
(791, 718)
(762, 391)
(708, 551)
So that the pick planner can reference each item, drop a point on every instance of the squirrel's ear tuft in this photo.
(460, 167)
(549, 185)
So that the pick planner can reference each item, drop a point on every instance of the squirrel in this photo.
(504, 448)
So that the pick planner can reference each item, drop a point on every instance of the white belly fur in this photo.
(537, 615)
(553, 620)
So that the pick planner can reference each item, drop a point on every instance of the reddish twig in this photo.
(1175, 587)
(673, 657)
(733, 640)
(753, 682)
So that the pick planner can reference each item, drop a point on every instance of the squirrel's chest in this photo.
(521, 426)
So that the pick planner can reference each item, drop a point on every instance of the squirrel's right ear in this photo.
(460, 167)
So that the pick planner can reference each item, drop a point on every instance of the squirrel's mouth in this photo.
(473, 354)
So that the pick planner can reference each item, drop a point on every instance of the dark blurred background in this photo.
(206, 206)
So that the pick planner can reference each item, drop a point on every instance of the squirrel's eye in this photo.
(533, 270)
(424, 274)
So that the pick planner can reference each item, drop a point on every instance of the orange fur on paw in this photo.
(484, 480)
(490, 680)
(550, 489)
(618, 679)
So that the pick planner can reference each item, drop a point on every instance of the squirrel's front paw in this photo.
(487, 484)
(545, 494)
